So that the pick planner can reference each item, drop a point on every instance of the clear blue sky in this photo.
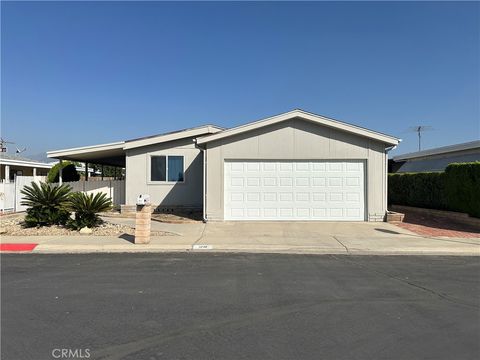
(83, 73)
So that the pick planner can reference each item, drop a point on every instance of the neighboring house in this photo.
(13, 165)
(293, 166)
(436, 159)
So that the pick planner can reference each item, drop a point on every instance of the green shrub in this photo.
(425, 190)
(463, 187)
(69, 172)
(86, 208)
(457, 189)
(47, 204)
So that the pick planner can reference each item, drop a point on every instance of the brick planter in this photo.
(393, 216)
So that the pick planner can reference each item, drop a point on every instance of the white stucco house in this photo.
(292, 166)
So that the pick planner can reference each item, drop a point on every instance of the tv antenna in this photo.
(419, 129)
(19, 151)
(3, 144)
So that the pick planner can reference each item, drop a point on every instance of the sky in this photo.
(83, 73)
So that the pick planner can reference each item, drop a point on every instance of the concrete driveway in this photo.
(349, 237)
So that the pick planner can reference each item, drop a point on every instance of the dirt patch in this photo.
(14, 226)
(180, 217)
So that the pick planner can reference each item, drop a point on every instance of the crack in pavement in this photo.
(346, 248)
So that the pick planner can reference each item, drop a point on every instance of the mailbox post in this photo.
(143, 218)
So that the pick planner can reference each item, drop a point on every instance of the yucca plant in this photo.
(47, 204)
(87, 208)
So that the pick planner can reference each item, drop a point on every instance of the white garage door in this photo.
(294, 190)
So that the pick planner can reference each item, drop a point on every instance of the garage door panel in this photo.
(294, 190)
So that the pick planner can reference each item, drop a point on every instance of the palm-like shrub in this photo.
(87, 207)
(47, 204)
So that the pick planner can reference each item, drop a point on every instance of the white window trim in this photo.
(166, 182)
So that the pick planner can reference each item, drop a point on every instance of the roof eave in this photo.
(321, 120)
(192, 133)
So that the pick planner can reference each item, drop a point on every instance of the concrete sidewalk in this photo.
(267, 237)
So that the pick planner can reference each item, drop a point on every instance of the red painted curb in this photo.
(17, 247)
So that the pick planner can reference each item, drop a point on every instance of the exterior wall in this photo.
(187, 194)
(298, 139)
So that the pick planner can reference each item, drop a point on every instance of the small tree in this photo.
(69, 172)
(47, 204)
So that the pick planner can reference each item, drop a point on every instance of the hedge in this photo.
(69, 172)
(456, 189)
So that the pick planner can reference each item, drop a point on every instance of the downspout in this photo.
(204, 157)
(387, 149)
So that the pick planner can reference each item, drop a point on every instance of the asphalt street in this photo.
(239, 306)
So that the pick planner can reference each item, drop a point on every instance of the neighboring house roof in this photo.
(440, 150)
(434, 164)
(318, 119)
(171, 136)
(10, 159)
(436, 159)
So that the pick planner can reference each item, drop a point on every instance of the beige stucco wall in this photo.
(297, 139)
(186, 194)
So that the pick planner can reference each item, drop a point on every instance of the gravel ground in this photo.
(13, 225)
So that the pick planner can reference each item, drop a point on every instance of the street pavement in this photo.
(239, 306)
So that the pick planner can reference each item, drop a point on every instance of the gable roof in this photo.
(318, 119)
(171, 136)
(471, 145)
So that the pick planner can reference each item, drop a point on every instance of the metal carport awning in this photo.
(111, 154)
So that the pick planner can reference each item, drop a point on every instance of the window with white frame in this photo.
(166, 168)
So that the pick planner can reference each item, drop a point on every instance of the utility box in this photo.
(143, 219)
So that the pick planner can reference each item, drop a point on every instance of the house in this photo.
(436, 159)
(292, 166)
(14, 165)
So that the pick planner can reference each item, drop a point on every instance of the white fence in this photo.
(11, 198)
(115, 189)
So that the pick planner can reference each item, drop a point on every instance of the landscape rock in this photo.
(86, 230)
(14, 225)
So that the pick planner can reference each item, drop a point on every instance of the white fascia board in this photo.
(85, 149)
(321, 120)
(31, 164)
(171, 137)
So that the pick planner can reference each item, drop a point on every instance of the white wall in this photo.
(10, 193)
(297, 139)
(184, 194)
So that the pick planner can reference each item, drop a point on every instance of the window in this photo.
(166, 168)
(158, 168)
(175, 168)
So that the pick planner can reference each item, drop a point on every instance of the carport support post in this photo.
(102, 172)
(7, 174)
(34, 173)
(86, 171)
(60, 173)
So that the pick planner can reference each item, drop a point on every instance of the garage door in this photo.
(294, 190)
